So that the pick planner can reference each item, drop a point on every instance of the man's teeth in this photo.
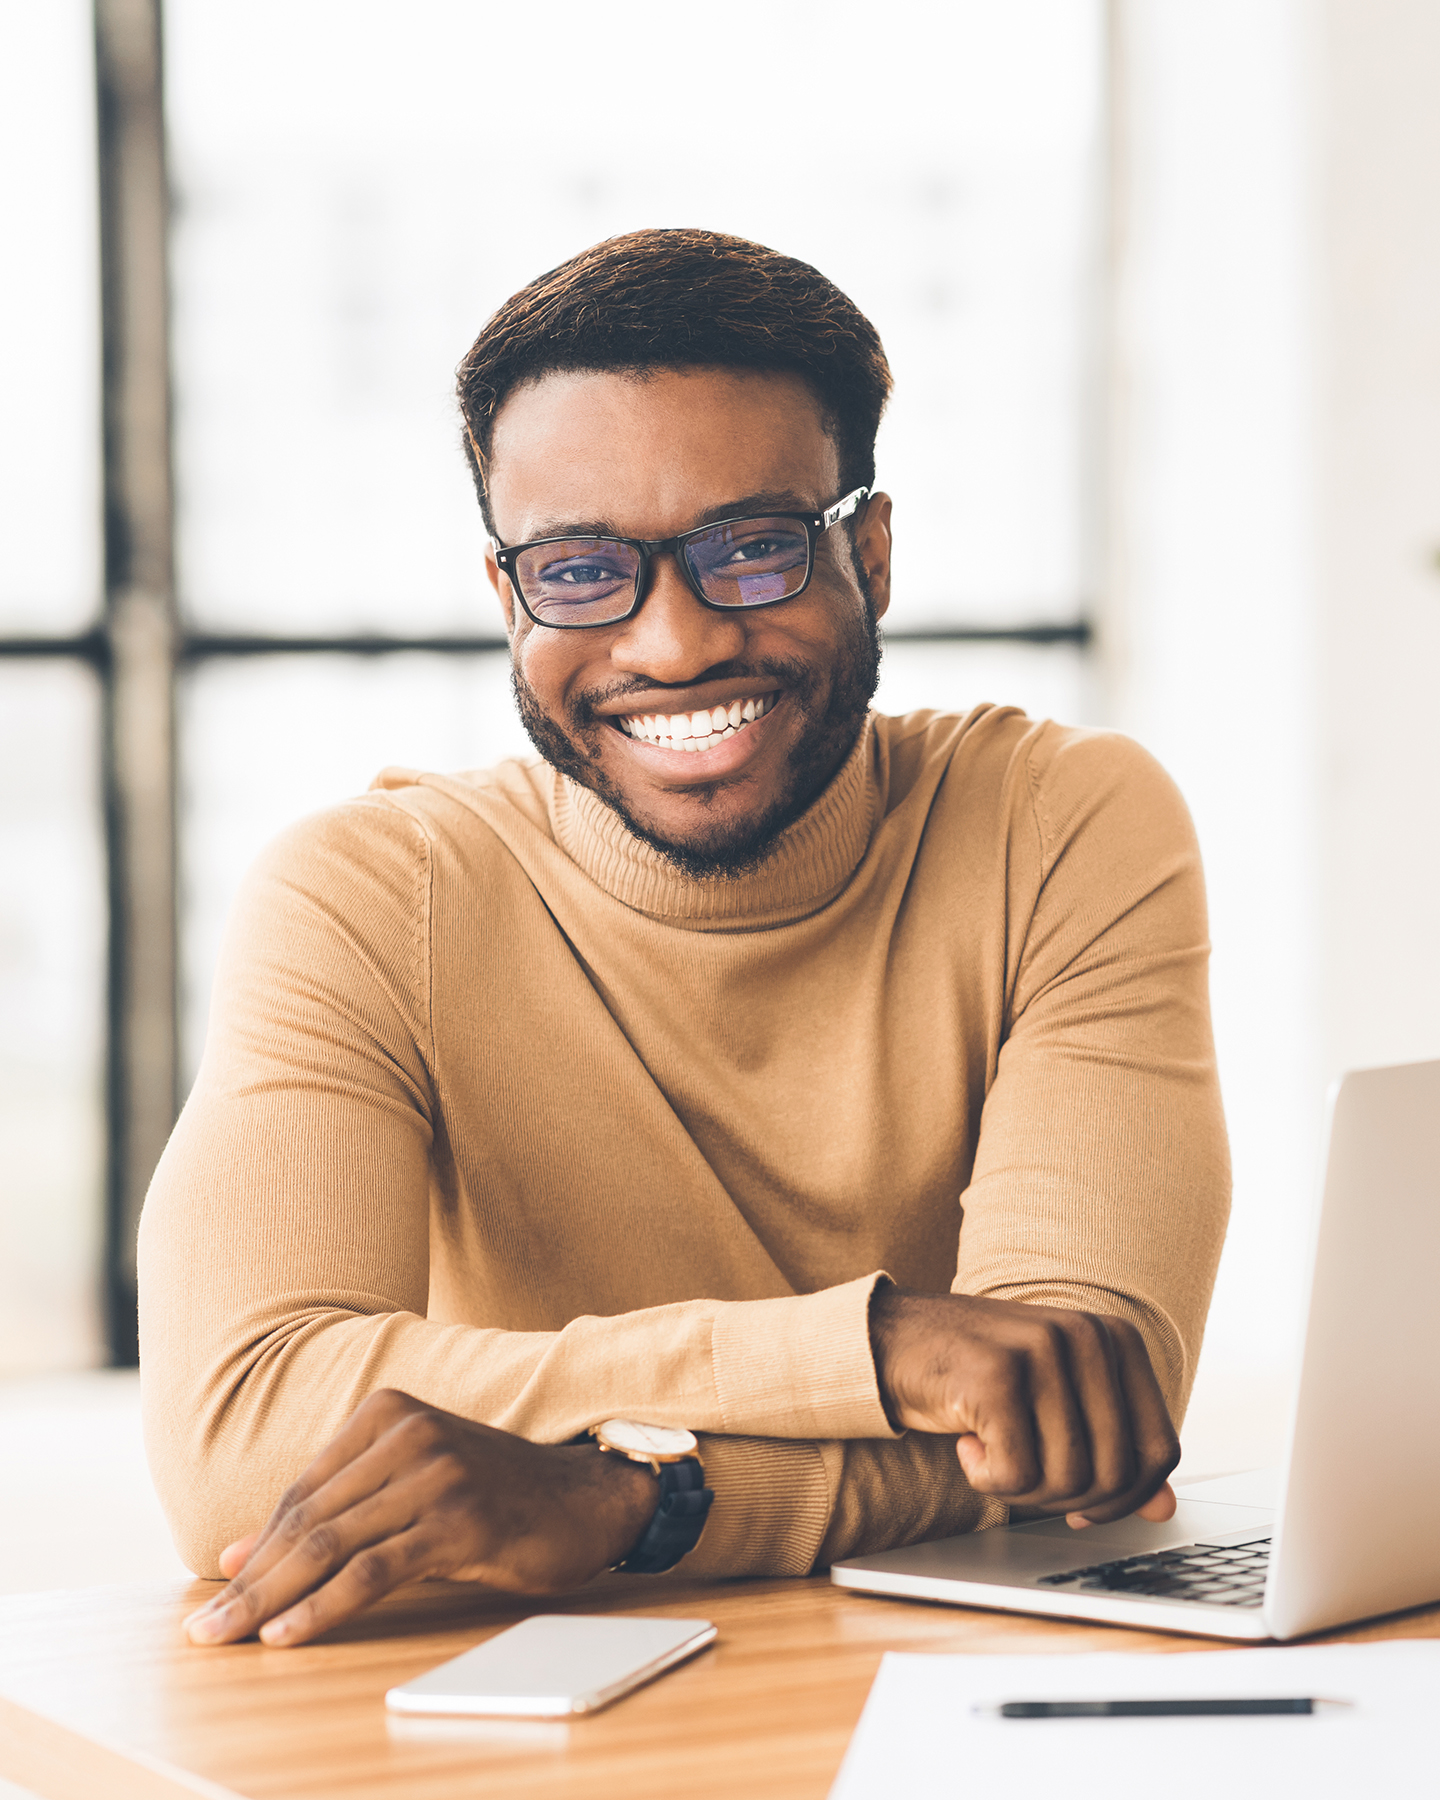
(697, 730)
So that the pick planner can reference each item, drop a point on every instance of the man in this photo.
(836, 1088)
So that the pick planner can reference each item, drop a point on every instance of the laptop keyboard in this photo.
(1219, 1576)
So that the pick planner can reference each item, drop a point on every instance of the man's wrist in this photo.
(623, 1495)
(885, 1303)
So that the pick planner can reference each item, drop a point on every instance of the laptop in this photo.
(1349, 1527)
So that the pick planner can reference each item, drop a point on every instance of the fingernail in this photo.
(277, 1631)
(208, 1624)
(1077, 1521)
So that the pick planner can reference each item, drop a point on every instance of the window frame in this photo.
(140, 649)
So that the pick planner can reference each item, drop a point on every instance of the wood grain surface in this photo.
(102, 1699)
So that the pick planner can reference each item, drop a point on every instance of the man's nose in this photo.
(673, 638)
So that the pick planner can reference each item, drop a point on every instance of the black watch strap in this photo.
(679, 1519)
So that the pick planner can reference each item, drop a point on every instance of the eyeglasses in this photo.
(569, 583)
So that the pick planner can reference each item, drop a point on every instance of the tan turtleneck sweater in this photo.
(500, 1109)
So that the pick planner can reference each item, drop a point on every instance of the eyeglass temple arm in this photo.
(842, 509)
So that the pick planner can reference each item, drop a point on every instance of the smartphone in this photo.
(553, 1666)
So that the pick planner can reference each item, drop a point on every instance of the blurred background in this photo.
(1159, 281)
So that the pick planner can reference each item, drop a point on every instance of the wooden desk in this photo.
(101, 1698)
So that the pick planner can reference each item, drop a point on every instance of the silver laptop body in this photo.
(1350, 1527)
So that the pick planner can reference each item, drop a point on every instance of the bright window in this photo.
(356, 187)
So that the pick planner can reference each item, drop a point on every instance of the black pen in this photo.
(1151, 1709)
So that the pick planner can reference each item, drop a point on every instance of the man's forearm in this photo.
(243, 1388)
(903, 1491)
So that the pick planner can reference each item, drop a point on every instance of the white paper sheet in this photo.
(919, 1736)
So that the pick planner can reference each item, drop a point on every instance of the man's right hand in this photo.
(406, 1491)
(1050, 1409)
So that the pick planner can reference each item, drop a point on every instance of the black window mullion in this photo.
(141, 634)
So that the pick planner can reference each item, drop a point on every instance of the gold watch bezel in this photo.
(654, 1459)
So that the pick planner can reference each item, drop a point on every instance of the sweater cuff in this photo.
(771, 1509)
(801, 1366)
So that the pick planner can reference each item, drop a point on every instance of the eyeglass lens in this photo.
(588, 581)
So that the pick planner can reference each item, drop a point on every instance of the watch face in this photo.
(662, 1441)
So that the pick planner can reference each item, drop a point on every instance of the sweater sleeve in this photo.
(1102, 1179)
(285, 1246)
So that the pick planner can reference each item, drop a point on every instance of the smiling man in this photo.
(706, 719)
(759, 1132)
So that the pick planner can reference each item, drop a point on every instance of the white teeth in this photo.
(697, 731)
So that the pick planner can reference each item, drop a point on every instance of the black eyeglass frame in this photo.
(815, 523)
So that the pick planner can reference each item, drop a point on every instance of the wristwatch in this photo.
(679, 1519)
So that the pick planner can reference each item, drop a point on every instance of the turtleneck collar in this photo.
(810, 862)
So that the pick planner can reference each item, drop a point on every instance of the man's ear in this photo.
(501, 585)
(872, 547)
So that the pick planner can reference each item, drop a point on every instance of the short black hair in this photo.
(682, 299)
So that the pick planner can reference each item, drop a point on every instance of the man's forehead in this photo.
(653, 454)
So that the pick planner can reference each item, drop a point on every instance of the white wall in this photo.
(1378, 530)
(1273, 611)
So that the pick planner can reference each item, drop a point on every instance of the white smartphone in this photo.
(553, 1666)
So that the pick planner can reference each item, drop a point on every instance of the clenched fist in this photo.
(1050, 1409)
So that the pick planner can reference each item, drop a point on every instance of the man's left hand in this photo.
(407, 1491)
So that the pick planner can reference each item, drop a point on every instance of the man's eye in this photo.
(759, 550)
(771, 552)
(581, 574)
(567, 577)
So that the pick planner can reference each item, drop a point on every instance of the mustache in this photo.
(794, 677)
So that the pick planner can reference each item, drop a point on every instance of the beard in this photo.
(727, 847)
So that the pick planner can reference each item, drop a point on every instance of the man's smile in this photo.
(694, 732)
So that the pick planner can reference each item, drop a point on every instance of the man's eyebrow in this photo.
(767, 500)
